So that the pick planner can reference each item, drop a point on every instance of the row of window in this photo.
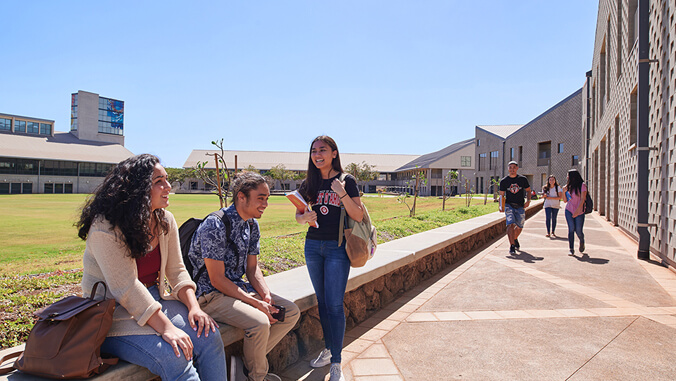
(111, 116)
(111, 105)
(26, 127)
(110, 128)
(26, 188)
(14, 166)
(16, 188)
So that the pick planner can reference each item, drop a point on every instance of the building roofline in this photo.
(566, 99)
(26, 117)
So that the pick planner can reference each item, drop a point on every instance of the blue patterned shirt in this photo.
(209, 241)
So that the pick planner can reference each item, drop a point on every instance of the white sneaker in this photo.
(272, 377)
(236, 369)
(323, 359)
(336, 373)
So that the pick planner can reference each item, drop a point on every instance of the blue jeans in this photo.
(550, 214)
(152, 352)
(575, 226)
(329, 268)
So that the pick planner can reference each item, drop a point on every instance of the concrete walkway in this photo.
(537, 315)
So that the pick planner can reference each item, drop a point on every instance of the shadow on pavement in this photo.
(593, 261)
(524, 256)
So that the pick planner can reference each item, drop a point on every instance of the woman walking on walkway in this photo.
(553, 194)
(575, 209)
(327, 262)
(133, 246)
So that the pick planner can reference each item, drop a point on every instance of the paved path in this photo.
(537, 315)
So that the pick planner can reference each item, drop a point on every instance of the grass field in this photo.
(37, 232)
(37, 236)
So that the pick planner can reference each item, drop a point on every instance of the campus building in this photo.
(436, 167)
(295, 162)
(395, 171)
(628, 159)
(34, 158)
(549, 144)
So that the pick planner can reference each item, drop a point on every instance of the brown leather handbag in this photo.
(66, 340)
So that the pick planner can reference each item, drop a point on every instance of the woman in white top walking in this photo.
(553, 194)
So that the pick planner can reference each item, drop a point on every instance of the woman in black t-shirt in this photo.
(327, 263)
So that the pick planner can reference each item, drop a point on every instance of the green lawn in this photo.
(37, 232)
(37, 236)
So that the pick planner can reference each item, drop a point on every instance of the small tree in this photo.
(279, 172)
(469, 193)
(177, 175)
(363, 173)
(450, 180)
(219, 178)
(420, 178)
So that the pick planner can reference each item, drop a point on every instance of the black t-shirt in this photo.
(515, 189)
(327, 207)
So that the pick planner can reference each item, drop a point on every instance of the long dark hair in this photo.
(545, 189)
(574, 182)
(310, 186)
(124, 200)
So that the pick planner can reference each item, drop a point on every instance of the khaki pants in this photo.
(259, 336)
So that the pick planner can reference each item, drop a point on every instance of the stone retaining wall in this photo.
(364, 300)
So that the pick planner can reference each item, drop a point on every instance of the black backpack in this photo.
(186, 232)
(588, 204)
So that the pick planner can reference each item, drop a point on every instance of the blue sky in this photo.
(392, 76)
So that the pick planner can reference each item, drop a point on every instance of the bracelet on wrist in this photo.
(341, 197)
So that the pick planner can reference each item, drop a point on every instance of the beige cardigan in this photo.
(106, 258)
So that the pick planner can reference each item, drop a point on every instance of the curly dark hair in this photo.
(310, 186)
(245, 182)
(124, 200)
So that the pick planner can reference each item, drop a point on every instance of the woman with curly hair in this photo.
(133, 246)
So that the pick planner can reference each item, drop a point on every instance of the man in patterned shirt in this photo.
(221, 291)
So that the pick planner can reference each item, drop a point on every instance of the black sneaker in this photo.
(512, 250)
(581, 247)
(516, 244)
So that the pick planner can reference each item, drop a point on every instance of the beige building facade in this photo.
(611, 124)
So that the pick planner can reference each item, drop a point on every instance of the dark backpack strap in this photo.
(10, 368)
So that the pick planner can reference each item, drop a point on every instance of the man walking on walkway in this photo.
(513, 189)
(229, 252)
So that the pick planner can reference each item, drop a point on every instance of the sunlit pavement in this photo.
(537, 315)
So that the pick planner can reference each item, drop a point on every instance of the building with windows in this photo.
(436, 167)
(490, 147)
(36, 159)
(628, 159)
(295, 162)
(96, 118)
(548, 144)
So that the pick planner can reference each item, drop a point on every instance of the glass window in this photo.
(478, 142)
(73, 124)
(58, 188)
(5, 124)
(15, 188)
(560, 148)
(59, 168)
(33, 128)
(27, 188)
(49, 188)
(4, 188)
(19, 125)
(68, 188)
(45, 129)
(575, 161)
(465, 161)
